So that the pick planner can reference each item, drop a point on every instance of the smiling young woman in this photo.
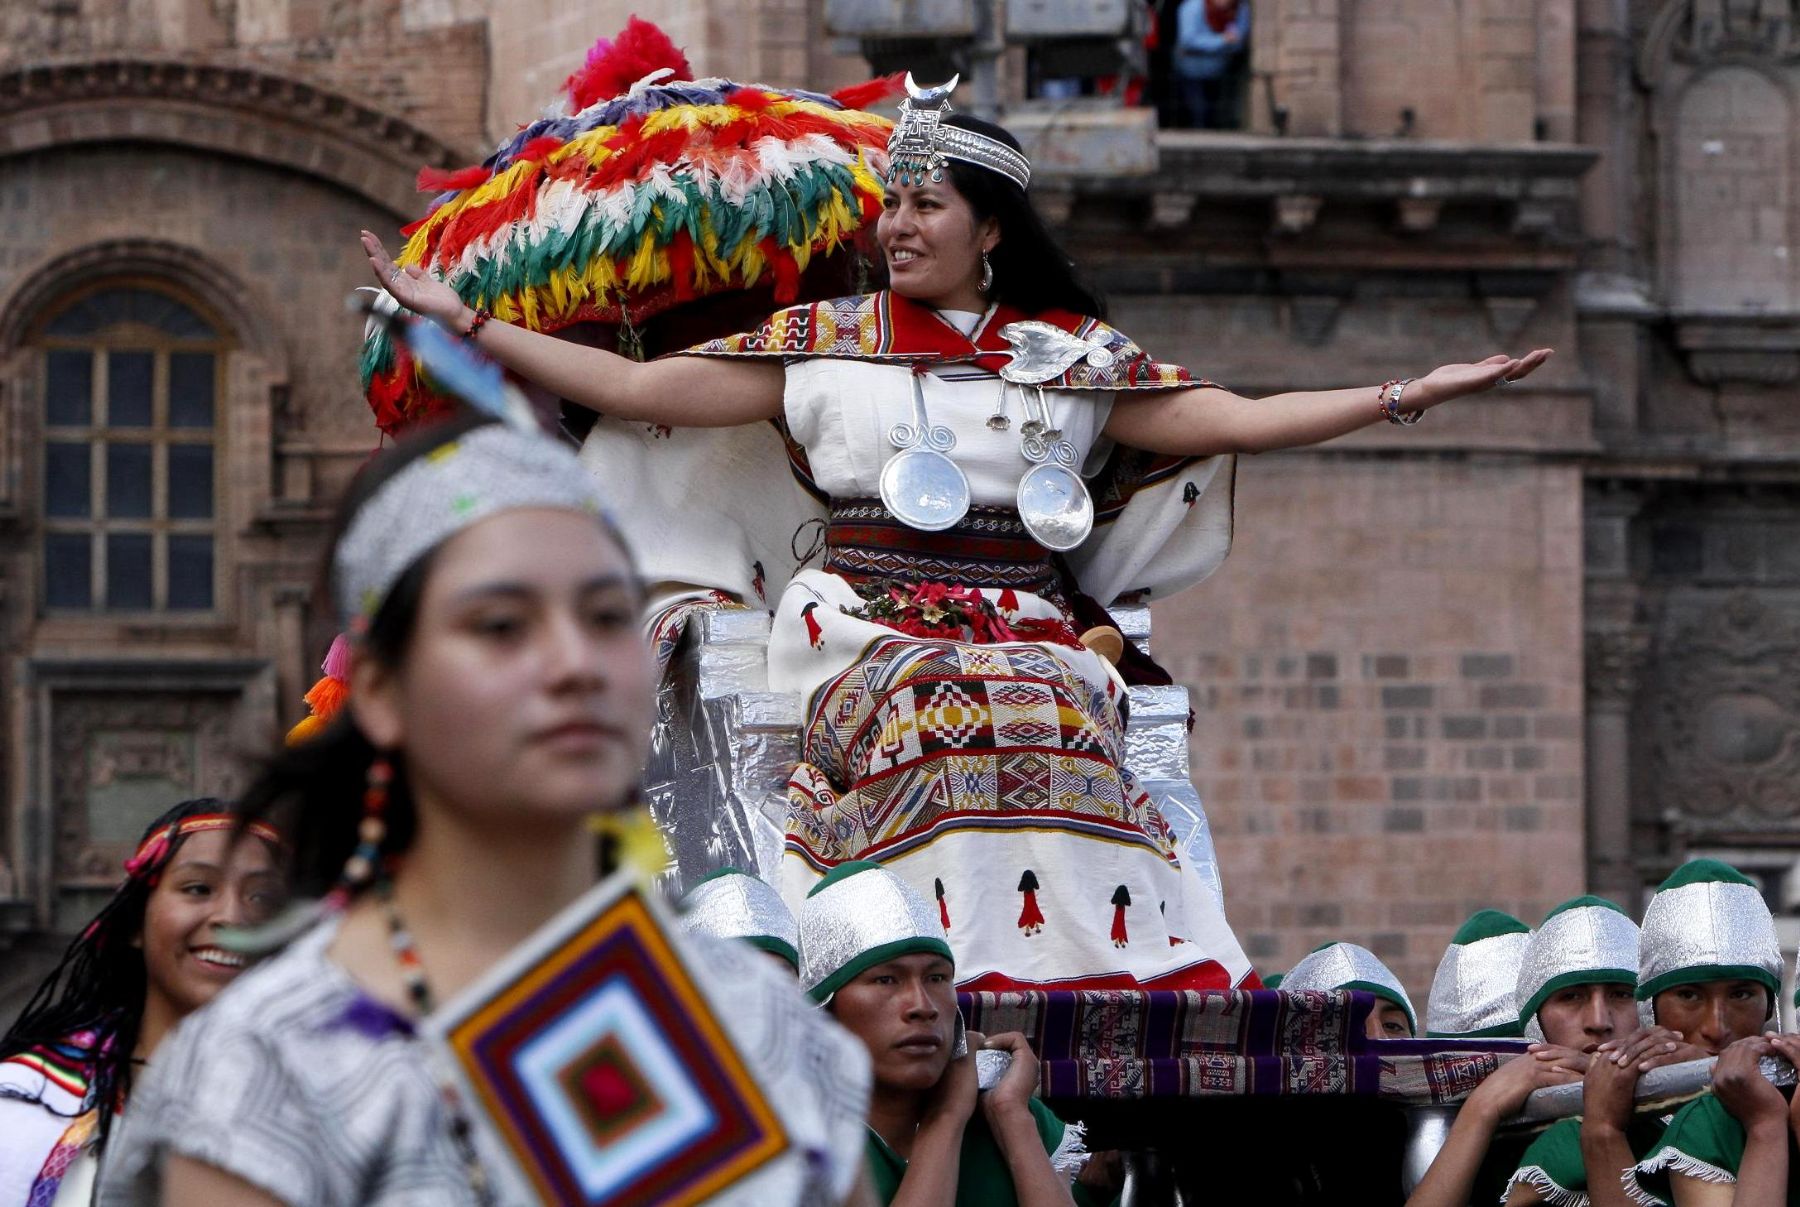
(147, 960)
(501, 697)
(990, 454)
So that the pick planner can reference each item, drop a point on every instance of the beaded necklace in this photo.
(412, 974)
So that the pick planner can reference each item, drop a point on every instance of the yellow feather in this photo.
(642, 273)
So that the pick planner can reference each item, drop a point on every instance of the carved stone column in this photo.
(1616, 646)
(1615, 662)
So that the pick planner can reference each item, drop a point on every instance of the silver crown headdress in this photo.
(921, 142)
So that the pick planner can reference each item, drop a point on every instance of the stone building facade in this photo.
(1535, 644)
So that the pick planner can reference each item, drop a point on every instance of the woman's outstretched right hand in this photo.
(416, 290)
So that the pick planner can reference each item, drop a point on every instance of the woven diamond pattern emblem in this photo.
(600, 1068)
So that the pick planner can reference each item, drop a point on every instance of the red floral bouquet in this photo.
(954, 613)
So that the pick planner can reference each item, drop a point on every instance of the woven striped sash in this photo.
(989, 547)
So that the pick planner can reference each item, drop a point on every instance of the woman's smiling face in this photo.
(933, 243)
(211, 882)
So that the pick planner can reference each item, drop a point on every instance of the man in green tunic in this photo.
(1708, 970)
(873, 953)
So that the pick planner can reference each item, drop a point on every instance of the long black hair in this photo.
(1031, 270)
(90, 1008)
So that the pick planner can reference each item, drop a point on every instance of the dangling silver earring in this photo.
(987, 274)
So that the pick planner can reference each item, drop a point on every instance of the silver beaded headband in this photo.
(920, 142)
(488, 471)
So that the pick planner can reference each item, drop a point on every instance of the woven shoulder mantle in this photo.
(885, 327)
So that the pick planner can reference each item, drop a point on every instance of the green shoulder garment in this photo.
(1553, 1166)
(1704, 1141)
(982, 1178)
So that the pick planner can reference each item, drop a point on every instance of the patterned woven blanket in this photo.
(1117, 1044)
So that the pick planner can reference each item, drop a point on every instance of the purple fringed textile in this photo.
(1117, 1044)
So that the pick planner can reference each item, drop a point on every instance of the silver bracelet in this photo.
(1390, 403)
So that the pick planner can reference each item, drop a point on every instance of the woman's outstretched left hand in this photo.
(1453, 381)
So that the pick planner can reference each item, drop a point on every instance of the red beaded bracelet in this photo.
(475, 324)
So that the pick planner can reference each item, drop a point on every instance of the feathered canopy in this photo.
(640, 190)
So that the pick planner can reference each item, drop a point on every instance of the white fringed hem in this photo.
(1672, 1160)
(1547, 1188)
(1071, 1155)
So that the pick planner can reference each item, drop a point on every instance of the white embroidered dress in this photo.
(991, 776)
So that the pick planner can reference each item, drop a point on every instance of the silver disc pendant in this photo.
(1055, 506)
(925, 489)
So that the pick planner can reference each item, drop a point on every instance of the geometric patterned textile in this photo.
(990, 778)
(885, 326)
(1116, 1044)
(921, 737)
(601, 1068)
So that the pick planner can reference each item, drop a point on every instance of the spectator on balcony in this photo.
(148, 959)
(1211, 41)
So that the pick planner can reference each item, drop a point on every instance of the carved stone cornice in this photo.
(256, 112)
(1744, 349)
(1702, 32)
(1533, 188)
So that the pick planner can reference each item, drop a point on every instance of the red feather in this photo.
(451, 180)
(681, 265)
(615, 64)
(787, 273)
(749, 98)
(870, 92)
(537, 148)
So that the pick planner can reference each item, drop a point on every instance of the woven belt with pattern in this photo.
(989, 547)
